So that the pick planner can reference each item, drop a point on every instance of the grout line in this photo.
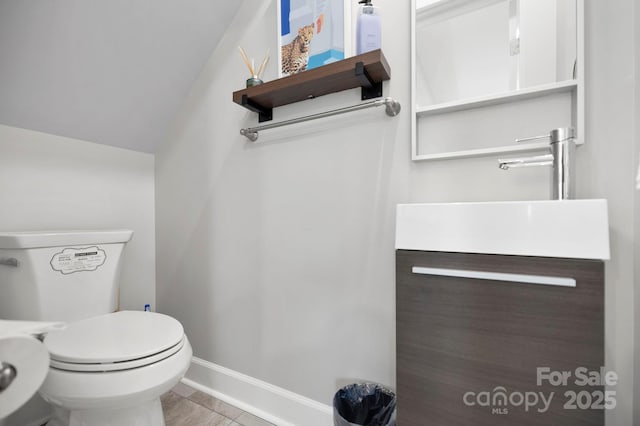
(233, 419)
(188, 398)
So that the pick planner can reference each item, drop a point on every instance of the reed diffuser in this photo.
(256, 75)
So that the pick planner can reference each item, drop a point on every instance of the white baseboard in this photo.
(272, 403)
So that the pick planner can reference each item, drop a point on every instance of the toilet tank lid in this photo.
(35, 239)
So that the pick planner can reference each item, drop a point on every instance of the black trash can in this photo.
(364, 404)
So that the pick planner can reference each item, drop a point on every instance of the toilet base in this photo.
(146, 414)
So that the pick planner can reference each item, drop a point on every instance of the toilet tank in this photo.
(60, 275)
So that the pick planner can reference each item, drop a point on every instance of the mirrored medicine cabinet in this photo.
(488, 72)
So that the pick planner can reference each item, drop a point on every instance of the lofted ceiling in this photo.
(113, 72)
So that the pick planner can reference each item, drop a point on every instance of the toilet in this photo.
(107, 367)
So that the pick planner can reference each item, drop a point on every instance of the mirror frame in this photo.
(576, 87)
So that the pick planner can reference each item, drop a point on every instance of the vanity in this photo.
(500, 313)
(500, 305)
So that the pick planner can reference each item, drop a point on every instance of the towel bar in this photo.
(392, 109)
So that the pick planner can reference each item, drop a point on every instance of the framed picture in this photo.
(312, 33)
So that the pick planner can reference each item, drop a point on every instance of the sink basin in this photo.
(25, 363)
(567, 229)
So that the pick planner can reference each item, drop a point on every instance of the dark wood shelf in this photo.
(368, 71)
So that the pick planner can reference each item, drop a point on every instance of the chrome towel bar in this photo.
(392, 109)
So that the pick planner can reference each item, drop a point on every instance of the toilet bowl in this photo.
(111, 369)
(107, 367)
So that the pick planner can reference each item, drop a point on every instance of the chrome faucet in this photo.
(560, 158)
(7, 375)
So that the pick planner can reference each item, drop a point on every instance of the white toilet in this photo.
(107, 368)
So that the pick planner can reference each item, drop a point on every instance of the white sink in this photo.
(569, 229)
(27, 357)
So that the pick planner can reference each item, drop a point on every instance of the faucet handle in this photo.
(556, 135)
(562, 134)
(533, 138)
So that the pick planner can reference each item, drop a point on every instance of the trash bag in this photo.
(364, 404)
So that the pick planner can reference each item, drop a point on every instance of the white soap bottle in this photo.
(368, 28)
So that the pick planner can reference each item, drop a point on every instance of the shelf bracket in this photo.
(264, 114)
(370, 89)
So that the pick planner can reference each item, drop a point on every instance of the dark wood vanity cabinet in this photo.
(467, 348)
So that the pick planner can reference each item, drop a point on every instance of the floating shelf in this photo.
(368, 71)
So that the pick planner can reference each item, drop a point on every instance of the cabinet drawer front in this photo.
(470, 323)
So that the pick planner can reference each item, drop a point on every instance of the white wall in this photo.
(278, 257)
(636, 415)
(51, 182)
(112, 72)
(607, 165)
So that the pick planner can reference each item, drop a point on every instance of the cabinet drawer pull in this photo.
(496, 276)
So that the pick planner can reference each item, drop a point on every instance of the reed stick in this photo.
(246, 60)
(263, 64)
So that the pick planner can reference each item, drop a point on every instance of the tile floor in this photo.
(185, 406)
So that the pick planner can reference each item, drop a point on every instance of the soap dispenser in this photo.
(368, 28)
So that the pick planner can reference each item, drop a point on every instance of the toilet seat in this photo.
(115, 342)
(116, 366)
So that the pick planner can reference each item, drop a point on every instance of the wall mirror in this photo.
(483, 54)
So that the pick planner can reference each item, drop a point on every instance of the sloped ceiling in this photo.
(113, 72)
